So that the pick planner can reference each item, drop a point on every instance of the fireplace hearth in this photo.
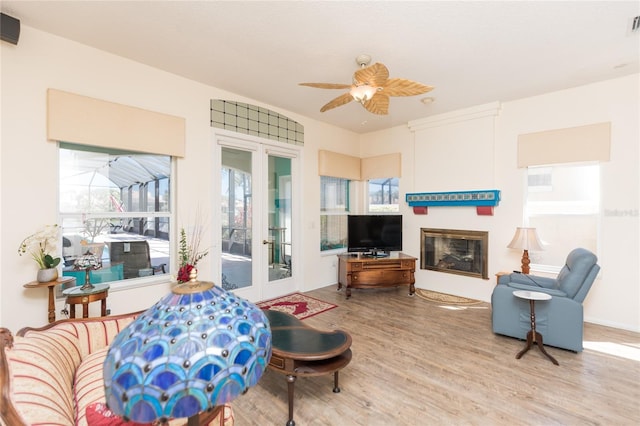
(454, 251)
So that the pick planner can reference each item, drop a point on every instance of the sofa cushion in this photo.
(41, 376)
(90, 336)
(89, 384)
(98, 414)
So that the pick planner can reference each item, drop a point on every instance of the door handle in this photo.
(266, 242)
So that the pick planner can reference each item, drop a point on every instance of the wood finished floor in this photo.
(418, 363)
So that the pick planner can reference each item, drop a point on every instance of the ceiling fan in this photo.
(371, 87)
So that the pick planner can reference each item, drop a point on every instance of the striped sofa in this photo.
(53, 375)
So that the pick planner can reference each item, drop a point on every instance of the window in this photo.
(116, 206)
(236, 209)
(563, 204)
(383, 195)
(334, 209)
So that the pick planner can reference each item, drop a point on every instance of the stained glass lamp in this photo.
(87, 262)
(199, 347)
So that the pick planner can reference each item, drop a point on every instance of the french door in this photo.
(257, 196)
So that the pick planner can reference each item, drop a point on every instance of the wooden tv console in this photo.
(358, 271)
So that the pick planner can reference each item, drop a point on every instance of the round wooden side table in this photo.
(50, 285)
(77, 296)
(533, 336)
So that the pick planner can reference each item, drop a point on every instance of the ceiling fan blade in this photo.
(378, 104)
(340, 100)
(326, 85)
(402, 87)
(375, 75)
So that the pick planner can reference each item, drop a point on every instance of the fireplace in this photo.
(454, 251)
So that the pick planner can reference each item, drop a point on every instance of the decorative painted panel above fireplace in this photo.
(483, 200)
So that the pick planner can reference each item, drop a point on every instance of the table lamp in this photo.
(526, 239)
(89, 262)
(197, 348)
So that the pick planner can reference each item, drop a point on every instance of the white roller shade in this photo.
(382, 166)
(575, 144)
(88, 121)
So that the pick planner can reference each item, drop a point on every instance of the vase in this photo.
(46, 275)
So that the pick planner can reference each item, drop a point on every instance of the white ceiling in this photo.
(473, 52)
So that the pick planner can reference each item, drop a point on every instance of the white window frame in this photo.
(335, 212)
(560, 207)
(368, 198)
(172, 234)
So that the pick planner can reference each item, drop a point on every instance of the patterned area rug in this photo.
(449, 299)
(298, 305)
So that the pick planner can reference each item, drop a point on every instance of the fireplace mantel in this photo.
(483, 200)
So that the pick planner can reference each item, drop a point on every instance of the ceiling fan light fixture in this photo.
(362, 93)
(371, 87)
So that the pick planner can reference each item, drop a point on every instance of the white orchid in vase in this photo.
(40, 245)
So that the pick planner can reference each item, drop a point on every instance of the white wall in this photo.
(615, 297)
(450, 152)
(28, 173)
(29, 162)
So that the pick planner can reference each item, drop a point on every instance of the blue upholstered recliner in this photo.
(559, 320)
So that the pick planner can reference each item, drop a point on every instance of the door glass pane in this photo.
(236, 219)
(279, 217)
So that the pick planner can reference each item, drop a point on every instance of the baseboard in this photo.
(612, 324)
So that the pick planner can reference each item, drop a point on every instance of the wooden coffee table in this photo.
(300, 350)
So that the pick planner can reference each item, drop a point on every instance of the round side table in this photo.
(77, 296)
(50, 285)
(533, 336)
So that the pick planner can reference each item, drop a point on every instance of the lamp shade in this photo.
(87, 262)
(362, 93)
(199, 347)
(526, 239)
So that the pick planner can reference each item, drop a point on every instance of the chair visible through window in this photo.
(136, 257)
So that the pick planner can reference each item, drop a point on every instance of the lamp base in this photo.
(87, 281)
(194, 420)
(525, 262)
(205, 417)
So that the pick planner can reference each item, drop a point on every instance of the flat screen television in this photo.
(374, 235)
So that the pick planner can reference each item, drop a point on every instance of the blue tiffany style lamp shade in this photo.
(198, 347)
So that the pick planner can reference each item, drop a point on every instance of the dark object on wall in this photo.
(9, 29)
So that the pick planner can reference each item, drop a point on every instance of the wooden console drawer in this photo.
(356, 266)
(381, 277)
(409, 264)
